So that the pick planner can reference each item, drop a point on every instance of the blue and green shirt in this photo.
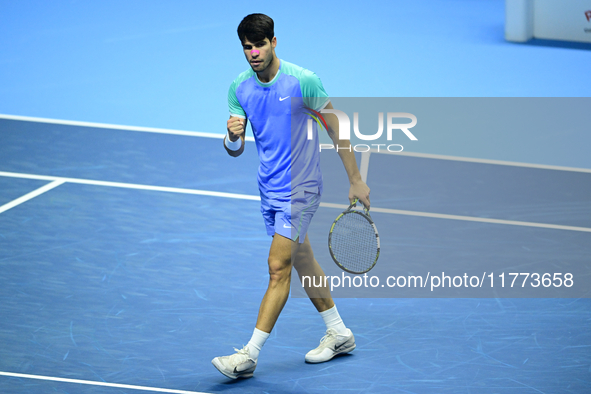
(289, 161)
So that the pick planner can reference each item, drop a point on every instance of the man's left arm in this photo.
(358, 187)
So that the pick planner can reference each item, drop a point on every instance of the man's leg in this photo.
(243, 363)
(279, 282)
(307, 266)
(338, 339)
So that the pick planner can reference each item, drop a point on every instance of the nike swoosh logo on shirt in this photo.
(284, 98)
(286, 226)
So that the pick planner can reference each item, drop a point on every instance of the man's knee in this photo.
(302, 263)
(279, 268)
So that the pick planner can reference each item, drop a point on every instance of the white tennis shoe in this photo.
(237, 365)
(330, 345)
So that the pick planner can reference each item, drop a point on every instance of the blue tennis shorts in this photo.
(290, 216)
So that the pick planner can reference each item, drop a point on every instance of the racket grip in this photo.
(362, 204)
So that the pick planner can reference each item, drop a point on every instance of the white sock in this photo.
(256, 343)
(332, 319)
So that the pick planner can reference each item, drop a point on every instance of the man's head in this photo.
(256, 27)
(256, 33)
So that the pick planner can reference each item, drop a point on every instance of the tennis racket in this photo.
(353, 240)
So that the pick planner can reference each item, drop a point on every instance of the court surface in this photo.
(142, 255)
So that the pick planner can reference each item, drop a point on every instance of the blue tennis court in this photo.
(147, 259)
(132, 252)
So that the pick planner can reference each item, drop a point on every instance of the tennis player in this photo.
(290, 183)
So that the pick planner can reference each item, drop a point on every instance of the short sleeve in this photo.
(233, 103)
(313, 92)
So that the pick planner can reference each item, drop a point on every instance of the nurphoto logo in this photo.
(345, 129)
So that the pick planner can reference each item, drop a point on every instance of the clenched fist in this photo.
(235, 128)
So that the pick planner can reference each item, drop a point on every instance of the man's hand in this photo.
(359, 190)
(236, 127)
(236, 132)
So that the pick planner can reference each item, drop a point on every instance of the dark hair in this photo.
(256, 27)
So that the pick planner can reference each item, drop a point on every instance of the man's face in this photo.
(259, 54)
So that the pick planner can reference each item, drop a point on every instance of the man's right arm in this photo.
(236, 127)
(359, 188)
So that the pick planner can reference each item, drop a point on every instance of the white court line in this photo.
(482, 161)
(94, 383)
(465, 218)
(132, 186)
(116, 127)
(257, 198)
(251, 139)
(364, 165)
(31, 195)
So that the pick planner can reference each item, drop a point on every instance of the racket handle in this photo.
(354, 204)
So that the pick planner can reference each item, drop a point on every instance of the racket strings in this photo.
(354, 242)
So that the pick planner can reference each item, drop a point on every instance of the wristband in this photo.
(233, 146)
